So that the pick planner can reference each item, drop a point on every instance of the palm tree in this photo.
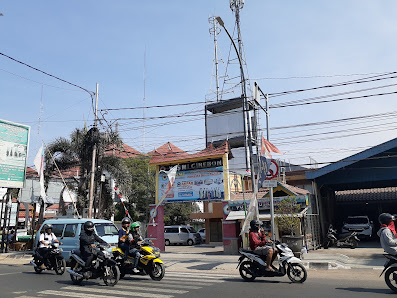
(76, 153)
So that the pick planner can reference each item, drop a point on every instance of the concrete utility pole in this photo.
(91, 199)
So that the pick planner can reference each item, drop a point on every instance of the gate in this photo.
(312, 231)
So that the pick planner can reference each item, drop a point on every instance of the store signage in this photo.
(200, 181)
(264, 203)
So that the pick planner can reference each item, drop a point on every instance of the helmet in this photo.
(255, 224)
(125, 220)
(136, 225)
(89, 226)
(47, 227)
(385, 218)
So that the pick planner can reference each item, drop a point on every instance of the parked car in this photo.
(202, 233)
(67, 230)
(360, 224)
(181, 235)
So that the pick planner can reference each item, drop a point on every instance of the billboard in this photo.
(200, 181)
(14, 141)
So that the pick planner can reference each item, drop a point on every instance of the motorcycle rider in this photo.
(87, 244)
(46, 238)
(257, 243)
(124, 234)
(135, 245)
(387, 236)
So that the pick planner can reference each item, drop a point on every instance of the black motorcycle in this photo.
(53, 261)
(390, 271)
(349, 241)
(105, 268)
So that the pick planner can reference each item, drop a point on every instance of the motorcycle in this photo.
(149, 262)
(105, 268)
(390, 271)
(54, 260)
(253, 265)
(350, 241)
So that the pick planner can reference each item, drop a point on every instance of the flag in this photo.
(253, 213)
(39, 164)
(270, 147)
(171, 177)
(265, 159)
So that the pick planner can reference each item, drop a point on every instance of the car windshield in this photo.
(106, 229)
(357, 220)
(191, 230)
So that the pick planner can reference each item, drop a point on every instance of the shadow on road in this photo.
(367, 290)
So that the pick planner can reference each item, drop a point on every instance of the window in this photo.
(184, 230)
(70, 230)
(106, 229)
(57, 229)
(171, 230)
(192, 230)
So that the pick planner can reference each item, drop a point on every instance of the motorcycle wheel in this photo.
(60, 265)
(38, 269)
(354, 244)
(122, 272)
(113, 277)
(157, 271)
(296, 273)
(326, 244)
(246, 269)
(391, 278)
(76, 280)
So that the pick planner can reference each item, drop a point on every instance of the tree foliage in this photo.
(287, 218)
(179, 213)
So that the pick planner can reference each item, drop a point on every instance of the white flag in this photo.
(253, 213)
(39, 164)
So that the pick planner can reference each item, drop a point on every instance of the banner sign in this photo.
(200, 181)
(14, 140)
(14, 208)
(264, 203)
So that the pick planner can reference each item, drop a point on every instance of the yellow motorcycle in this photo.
(149, 262)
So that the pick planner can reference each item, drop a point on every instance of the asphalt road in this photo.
(20, 280)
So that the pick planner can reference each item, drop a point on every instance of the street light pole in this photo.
(247, 121)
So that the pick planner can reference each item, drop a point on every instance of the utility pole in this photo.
(91, 199)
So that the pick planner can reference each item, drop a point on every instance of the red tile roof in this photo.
(169, 152)
(124, 152)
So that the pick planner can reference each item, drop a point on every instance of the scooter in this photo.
(54, 260)
(390, 271)
(350, 241)
(149, 262)
(105, 268)
(253, 265)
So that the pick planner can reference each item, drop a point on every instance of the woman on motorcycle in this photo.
(387, 234)
(135, 244)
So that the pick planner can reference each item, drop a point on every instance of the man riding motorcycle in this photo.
(87, 244)
(46, 238)
(257, 243)
(130, 240)
(387, 236)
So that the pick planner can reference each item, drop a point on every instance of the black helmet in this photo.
(125, 220)
(385, 218)
(47, 227)
(89, 226)
(255, 224)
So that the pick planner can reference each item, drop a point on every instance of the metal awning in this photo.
(366, 195)
(238, 215)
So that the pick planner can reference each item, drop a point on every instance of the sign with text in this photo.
(14, 141)
(264, 203)
(201, 181)
(269, 183)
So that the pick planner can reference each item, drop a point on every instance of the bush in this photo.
(287, 216)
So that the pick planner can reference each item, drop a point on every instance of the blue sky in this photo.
(85, 42)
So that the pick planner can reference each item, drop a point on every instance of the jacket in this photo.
(388, 240)
(136, 237)
(256, 239)
(86, 241)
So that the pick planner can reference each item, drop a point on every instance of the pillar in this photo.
(155, 231)
(230, 235)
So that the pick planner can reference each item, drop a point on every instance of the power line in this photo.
(318, 76)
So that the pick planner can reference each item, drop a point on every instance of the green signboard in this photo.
(14, 142)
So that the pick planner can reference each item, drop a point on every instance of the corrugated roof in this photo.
(373, 194)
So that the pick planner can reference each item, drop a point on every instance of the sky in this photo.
(162, 51)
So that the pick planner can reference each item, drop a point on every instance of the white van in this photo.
(181, 234)
(67, 230)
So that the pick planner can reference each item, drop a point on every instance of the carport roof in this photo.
(353, 159)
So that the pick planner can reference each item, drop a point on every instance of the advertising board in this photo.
(14, 141)
(201, 181)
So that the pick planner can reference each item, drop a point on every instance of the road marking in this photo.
(71, 294)
(165, 285)
(102, 290)
(191, 282)
(195, 275)
(10, 273)
(151, 289)
(186, 279)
